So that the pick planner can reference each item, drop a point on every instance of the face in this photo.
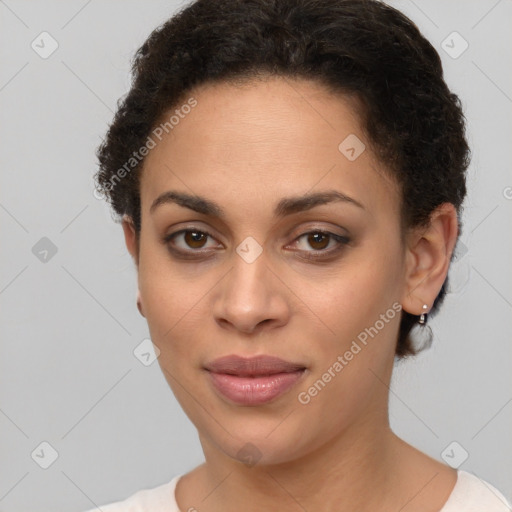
(256, 269)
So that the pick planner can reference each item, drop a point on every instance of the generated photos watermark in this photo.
(305, 397)
(151, 142)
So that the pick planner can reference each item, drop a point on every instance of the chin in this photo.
(259, 441)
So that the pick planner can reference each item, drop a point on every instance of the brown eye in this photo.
(189, 242)
(315, 245)
(195, 239)
(318, 240)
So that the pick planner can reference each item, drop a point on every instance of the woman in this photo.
(290, 175)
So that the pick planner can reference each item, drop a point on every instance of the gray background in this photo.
(69, 324)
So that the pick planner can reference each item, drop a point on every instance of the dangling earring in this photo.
(139, 304)
(423, 316)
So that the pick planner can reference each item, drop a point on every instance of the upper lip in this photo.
(250, 366)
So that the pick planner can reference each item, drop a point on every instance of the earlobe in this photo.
(429, 252)
(139, 304)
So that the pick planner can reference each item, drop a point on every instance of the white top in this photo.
(470, 494)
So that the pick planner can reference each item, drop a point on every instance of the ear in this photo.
(428, 255)
(130, 238)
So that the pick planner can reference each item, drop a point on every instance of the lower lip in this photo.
(254, 390)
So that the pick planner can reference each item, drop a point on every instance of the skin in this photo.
(246, 147)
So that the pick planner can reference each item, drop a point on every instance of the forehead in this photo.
(263, 140)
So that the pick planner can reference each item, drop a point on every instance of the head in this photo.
(317, 159)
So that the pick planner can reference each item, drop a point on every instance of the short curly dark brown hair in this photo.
(364, 48)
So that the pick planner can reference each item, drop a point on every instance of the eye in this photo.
(191, 242)
(323, 243)
(184, 240)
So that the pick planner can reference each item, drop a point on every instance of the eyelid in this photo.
(315, 228)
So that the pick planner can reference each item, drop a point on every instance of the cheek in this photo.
(172, 309)
(359, 307)
(359, 304)
(357, 295)
(171, 299)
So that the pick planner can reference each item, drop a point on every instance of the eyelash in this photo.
(341, 241)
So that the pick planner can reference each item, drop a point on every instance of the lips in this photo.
(253, 366)
(253, 381)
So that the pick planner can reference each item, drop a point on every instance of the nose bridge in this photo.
(249, 294)
(248, 282)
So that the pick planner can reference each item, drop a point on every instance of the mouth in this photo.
(253, 381)
(257, 366)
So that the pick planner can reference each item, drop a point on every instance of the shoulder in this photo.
(156, 499)
(472, 494)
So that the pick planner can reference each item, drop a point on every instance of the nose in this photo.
(251, 298)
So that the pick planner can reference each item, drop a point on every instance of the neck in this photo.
(352, 471)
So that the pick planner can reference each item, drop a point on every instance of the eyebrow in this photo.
(286, 206)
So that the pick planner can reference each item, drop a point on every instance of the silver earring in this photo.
(423, 315)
